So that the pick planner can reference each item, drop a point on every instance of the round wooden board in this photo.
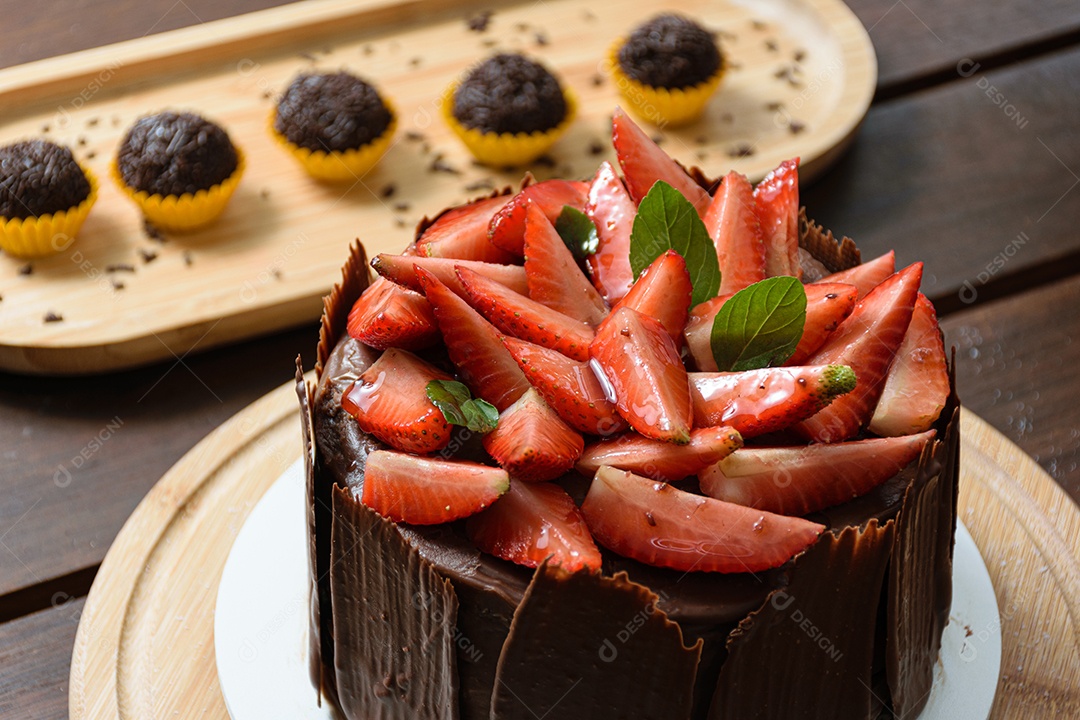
(145, 646)
(800, 79)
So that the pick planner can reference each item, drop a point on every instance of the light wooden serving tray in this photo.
(145, 646)
(803, 65)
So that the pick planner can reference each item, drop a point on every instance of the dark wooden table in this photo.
(969, 160)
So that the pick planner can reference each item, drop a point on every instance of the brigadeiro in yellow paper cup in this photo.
(509, 110)
(667, 69)
(336, 125)
(179, 168)
(45, 195)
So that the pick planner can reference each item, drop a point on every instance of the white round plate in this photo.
(261, 620)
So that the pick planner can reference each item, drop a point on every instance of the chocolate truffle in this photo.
(331, 112)
(670, 51)
(508, 93)
(175, 154)
(38, 178)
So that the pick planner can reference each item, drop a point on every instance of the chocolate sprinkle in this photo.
(331, 112)
(37, 178)
(51, 317)
(151, 231)
(388, 191)
(175, 154)
(148, 256)
(670, 51)
(120, 267)
(26, 269)
(479, 23)
(508, 93)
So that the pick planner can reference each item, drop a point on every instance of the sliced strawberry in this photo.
(388, 315)
(827, 304)
(663, 293)
(390, 402)
(918, 382)
(532, 442)
(642, 367)
(658, 524)
(427, 491)
(643, 163)
(613, 212)
(756, 402)
(526, 319)
(534, 522)
(732, 222)
(805, 479)
(867, 341)
(507, 229)
(777, 206)
(462, 233)
(400, 269)
(660, 460)
(553, 276)
(867, 276)
(474, 346)
(571, 388)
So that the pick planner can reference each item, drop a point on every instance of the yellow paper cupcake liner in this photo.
(339, 166)
(187, 212)
(48, 234)
(662, 106)
(507, 149)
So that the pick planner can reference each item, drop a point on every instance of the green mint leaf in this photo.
(578, 231)
(760, 326)
(667, 221)
(459, 408)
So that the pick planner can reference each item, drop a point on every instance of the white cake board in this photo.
(261, 621)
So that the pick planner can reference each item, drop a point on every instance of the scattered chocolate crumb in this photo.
(741, 150)
(189, 260)
(440, 165)
(771, 45)
(701, 140)
(308, 56)
(415, 62)
(479, 23)
(82, 141)
(783, 73)
(148, 256)
(266, 94)
(541, 39)
(774, 106)
(658, 139)
(402, 206)
(117, 284)
(264, 194)
(800, 55)
(545, 161)
(51, 317)
(758, 24)
(597, 80)
(967, 631)
(795, 127)
(91, 155)
(151, 231)
(27, 269)
(45, 128)
(414, 136)
(481, 184)
(120, 267)
(276, 272)
(596, 147)
(92, 122)
(388, 190)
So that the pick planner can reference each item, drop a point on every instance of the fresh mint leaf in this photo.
(667, 221)
(578, 231)
(460, 408)
(759, 326)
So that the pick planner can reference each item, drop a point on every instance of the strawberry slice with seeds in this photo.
(663, 293)
(532, 442)
(777, 206)
(428, 491)
(534, 522)
(390, 402)
(571, 388)
(867, 276)
(400, 269)
(805, 479)
(612, 211)
(762, 401)
(732, 222)
(827, 304)
(867, 341)
(462, 233)
(641, 365)
(918, 382)
(473, 345)
(657, 524)
(553, 276)
(643, 163)
(524, 318)
(661, 460)
(388, 315)
(507, 229)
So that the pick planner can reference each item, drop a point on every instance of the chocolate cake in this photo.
(670, 51)
(173, 153)
(38, 178)
(414, 622)
(509, 93)
(331, 112)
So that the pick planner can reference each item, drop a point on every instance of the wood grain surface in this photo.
(33, 684)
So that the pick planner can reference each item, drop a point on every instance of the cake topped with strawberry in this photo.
(594, 445)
